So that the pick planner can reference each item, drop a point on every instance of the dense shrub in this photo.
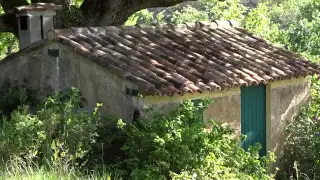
(303, 144)
(57, 133)
(258, 21)
(177, 146)
(173, 146)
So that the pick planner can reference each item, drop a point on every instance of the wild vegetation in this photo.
(58, 139)
(302, 153)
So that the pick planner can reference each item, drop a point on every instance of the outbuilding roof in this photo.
(188, 58)
(36, 7)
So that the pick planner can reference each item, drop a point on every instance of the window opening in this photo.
(23, 22)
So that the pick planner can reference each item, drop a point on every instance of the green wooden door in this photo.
(253, 116)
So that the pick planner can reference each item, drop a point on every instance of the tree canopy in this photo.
(75, 13)
(94, 12)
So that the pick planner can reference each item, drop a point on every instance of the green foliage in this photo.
(285, 12)
(303, 144)
(76, 3)
(20, 169)
(142, 15)
(57, 134)
(258, 22)
(303, 36)
(209, 10)
(8, 42)
(145, 17)
(72, 16)
(310, 10)
(189, 14)
(177, 146)
(224, 10)
(294, 24)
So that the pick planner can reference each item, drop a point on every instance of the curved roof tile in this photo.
(195, 57)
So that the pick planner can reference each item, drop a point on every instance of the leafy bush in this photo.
(303, 37)
(8, 42)
(176, 146)
(258, 21)
(205, 10)
(57, 134)
(172, 146)
(293, 24)
(303, 144)
(285, 12)
(189, 14)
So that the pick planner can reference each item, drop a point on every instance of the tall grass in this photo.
(19, 169)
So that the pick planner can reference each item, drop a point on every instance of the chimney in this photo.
(34, 21)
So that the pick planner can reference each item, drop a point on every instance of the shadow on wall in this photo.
(14, 94)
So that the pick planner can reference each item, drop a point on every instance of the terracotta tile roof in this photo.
(197, 57)
(36, 7)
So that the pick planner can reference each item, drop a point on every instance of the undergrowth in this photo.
(60, 140)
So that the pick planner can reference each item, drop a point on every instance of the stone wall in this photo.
(97, 85)
(47, 74)
(285, 101)
(226, 109)
(24, 69)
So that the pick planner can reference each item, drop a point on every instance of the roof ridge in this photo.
(117, 29)
(36, 7)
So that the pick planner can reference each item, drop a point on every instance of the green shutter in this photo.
(253, 116)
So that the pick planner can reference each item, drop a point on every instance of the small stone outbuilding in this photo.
(256, 87)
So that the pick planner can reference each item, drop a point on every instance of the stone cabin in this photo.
(256, 87)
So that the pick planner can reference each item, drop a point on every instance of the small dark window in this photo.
(54, 52)
(132, 92)
(23, 22)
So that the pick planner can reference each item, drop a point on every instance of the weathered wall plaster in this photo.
(284, 101)
(48, 74)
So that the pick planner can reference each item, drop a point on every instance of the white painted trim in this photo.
(48, 13)
(289, 82)
(268, 117)
(177, 98)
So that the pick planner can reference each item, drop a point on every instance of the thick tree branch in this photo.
(110, 12)
(8, 5)
(8, 23)
(96, 12)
